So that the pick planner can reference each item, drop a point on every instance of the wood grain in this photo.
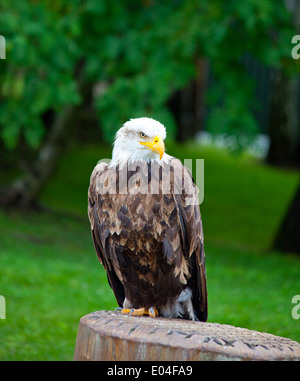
(111, 336)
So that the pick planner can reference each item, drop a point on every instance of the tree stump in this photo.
(111, 336)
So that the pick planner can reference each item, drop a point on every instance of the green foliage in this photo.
(138, 53)
(38, 71)
(236, 28)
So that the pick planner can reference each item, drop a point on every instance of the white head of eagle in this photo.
(150, 243)
(140, 139)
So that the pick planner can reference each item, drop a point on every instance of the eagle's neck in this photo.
(122, 157)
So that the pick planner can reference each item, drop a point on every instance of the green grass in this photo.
(50, 275)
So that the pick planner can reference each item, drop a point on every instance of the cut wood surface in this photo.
(111, 336)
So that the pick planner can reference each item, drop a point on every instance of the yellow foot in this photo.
(152, 312)
(125, 311)
(138, 312)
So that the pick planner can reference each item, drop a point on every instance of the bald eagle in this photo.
(147, 228)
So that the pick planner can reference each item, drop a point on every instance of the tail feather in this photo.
(182, 308)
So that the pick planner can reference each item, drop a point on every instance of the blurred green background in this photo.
(221, 77)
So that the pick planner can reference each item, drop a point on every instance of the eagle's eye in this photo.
(142, 135)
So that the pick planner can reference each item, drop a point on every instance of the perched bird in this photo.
(146, 226)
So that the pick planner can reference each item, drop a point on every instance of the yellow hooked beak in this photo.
(157, 145)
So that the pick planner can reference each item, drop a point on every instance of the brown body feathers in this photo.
(147, 232)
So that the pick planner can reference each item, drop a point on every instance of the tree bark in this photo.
(23, 192)
(284, 121)
(287, 239)
(100, 338)
(188, 106)
(285, 144)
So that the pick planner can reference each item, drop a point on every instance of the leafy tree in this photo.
(38, 73)
(131, 55)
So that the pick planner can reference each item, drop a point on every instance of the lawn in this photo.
(50, 275)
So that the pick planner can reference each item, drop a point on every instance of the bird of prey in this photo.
(147, 228)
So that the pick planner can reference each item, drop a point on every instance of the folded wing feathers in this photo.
(138, 219)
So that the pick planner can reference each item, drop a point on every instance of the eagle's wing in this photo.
(191, 236)
(176, 222)
(105, 249)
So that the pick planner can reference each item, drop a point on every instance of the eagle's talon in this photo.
(153, 312)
